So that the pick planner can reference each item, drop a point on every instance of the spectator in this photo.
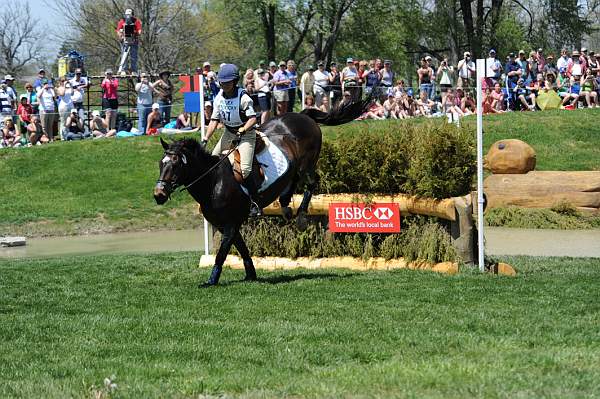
(425, 73)
(335, 82)
(564, 61)
(563, 85)
(583, 59)
(389, 107)
(467, 103)
(325, 105)
(550, 82)
(10, 90)
(488, 103)
(349, 78)
(575, 68)
(532, 67)
(261, 84)
(321, 86)
(10, 136)
(74, 129)
(272, 69)
(36, 131)
(293, 76)
(262, 65)
(24, 112)
(31, 97)
(372, 78)
(399, 88)
(593, 63)
(281, 85)
(522, 95)
(309, 102)
(466, 71)
(208, 110)
(540, 60)
(155, 121)
(550, 67)
(493, 69)
(164, 88)
(307, 82)
(387, 75)
(79, 83)
(48, 109)
(450, 107)
(248, 83)
(497, 98)
(144, 90)
(211, 86)
(424, 104)
(346, 98)
(402, 107)
(129, 30)
(6, 108)
(99, 126)
(184, 121)
(110, 98)
(65, 104)
(444, 72)
(41, 79)
(589, 89)
(375, 111)
(362, 69)
(513, 71)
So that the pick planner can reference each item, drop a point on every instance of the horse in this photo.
(210, 179)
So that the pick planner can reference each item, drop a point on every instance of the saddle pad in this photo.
(273, 162)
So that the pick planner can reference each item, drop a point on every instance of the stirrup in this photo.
(255, 210)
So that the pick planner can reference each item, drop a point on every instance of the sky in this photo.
(45, 14)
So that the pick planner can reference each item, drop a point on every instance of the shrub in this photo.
(430, 160)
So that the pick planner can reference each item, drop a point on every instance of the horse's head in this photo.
(173, 169)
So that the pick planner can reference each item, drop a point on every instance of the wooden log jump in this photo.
(544, 190)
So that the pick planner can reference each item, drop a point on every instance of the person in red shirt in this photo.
(110, 98)
(129, 30)
(24, 111)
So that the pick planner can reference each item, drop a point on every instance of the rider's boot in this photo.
(250, 184)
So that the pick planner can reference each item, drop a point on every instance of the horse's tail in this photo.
(339, 114)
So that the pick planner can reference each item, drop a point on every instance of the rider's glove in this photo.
(241, 131)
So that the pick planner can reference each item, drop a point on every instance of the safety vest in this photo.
(229, 109)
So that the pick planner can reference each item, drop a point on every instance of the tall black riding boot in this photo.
(214, 276)
(253, 192)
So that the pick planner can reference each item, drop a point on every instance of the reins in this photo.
(203, 175)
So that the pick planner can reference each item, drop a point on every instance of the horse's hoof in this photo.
(287, 213)
(250, 278)
(301, 221)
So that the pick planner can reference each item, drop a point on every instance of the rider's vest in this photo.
(229, 109)
(5, 106)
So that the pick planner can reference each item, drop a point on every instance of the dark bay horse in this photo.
(211, 182)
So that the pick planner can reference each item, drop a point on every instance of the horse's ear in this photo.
(164, 144)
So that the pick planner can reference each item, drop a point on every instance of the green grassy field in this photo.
(67, 324)
(106, 185)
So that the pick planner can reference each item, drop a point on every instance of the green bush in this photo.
(430, 160)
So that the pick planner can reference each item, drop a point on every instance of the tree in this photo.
(20, 35)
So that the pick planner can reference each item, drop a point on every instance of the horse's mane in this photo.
(192, 146)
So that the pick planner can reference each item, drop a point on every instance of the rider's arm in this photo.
(246, 107)
(212, 126)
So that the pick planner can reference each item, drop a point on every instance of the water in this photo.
(137, 242)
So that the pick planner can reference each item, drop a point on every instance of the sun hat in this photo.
(282, 63)
(108, 72)
(350, 59)
(467, 54)
(311, 67)
(492, 51)
(95, 113)
(206, 63)
(42, 70)
(8, 77)
(387, 62)
(73, 110)
(207, 104)
(272, 64)
(155, 106)
(129, 11)
(427, 58)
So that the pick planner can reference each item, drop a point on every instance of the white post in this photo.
(202, 132)
(303, 98)
(480, 77)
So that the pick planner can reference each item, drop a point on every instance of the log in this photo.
(319, 204)
(544, 190)
(346, 262)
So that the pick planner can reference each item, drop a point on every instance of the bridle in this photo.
(172, 187)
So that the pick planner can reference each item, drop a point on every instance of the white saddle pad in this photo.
(272, 160)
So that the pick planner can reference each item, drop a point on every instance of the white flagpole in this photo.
(480, 77)
(202, 132)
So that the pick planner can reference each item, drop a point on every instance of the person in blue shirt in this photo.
(293, 77)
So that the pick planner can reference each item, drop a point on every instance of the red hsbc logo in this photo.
(361, 218)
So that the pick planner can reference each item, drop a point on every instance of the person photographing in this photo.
(129, 30)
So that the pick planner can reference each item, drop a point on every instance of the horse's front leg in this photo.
(229, 234)
(240, 244)
(302, 220)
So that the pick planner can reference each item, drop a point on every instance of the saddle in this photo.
(258, 174)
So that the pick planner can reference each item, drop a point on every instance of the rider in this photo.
(233, 107)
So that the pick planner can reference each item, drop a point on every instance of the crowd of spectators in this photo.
(47, 110)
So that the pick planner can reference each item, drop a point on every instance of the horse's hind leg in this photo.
(240, 244)
(301, 220)
(229, 233)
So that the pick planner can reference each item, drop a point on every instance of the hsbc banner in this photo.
(361, 218)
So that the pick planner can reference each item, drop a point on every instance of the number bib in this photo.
(229, 109)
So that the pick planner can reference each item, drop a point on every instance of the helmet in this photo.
(228, 72)
(129, 11)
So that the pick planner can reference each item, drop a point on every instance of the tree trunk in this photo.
(268, 19)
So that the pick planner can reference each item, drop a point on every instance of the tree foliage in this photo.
(20, 37)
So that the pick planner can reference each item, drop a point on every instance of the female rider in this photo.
(233, 107)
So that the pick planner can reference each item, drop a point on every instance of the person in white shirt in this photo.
(466, 71)
(320, 87)
(564, 61)
(79, 83)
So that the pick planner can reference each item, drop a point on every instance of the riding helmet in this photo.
(228, 72)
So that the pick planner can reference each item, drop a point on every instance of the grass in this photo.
(106, 185)
(67, 324)
(540, 219)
